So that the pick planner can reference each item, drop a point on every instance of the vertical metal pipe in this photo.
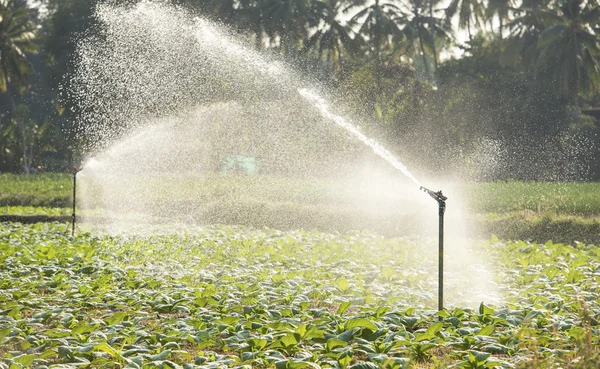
(73, 217)
(441, 200)
(442, 210)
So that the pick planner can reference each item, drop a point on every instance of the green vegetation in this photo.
(554, 198)
(539, 227)
(230, 297)
(46, 190)
(33, 210)
(546, 198)
(563, 212)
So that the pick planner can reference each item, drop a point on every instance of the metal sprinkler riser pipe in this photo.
(73, 216)
(441, 200)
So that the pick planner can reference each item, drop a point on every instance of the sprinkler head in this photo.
(77, 169)
(437, 196)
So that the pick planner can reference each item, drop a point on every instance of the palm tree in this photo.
(379, 24)
(331, 38)
(570, 49)
(288, 20)
(499, 9)
(422, 30)
(16, 39)
(470, 12)
(525, 28)
(440, 24)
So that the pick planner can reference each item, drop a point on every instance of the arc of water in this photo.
(378, 149)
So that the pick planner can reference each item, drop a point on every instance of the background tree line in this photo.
(497, 88)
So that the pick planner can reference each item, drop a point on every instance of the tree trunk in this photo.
(258, 41)
(501, 26)
(435, 57)
(377, 74)
(21, 125)
(469, 29)
(423, 52)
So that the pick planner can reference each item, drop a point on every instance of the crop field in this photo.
(39, 190)
(578, 199)
(222, 297)
(562, 212)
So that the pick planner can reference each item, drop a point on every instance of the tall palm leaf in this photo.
(570, 49)
(499, 9)
(531, 18)
(470, 13)
(288, 20)
(379, 25)
(332, 37)
(16, 40)
(422, 30)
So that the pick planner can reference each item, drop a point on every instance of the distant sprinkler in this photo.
(73, 216)
(441, 200)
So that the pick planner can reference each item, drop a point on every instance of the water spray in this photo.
(73, 216)
(441, 200)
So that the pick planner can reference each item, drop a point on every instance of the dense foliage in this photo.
(233, 297)
(476, 80)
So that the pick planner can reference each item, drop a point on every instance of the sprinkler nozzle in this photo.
(77, 169)
(437, 196)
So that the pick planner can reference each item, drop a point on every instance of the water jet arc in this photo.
(441, 200)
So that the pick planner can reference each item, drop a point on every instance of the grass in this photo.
(577, 198)
(39, 190)
(540, 227)
(563, 212)
(240, 297)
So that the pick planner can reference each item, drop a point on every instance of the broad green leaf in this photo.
(333, 343)
(343, 307)
(65, 351)
(479, 356)
(48, 354)
(496, 348)
(25, 360)
(277, 278)
(577, 333)
(430, 333)
(3, 334)
(347, 335)
(288, 340)
(301, 330)
(342, 284)
(484, 310)
(115, 318)
(257, 343)
(345, 359)
(105, 347)
(486, 331)
(161, 356)
(360, 323)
